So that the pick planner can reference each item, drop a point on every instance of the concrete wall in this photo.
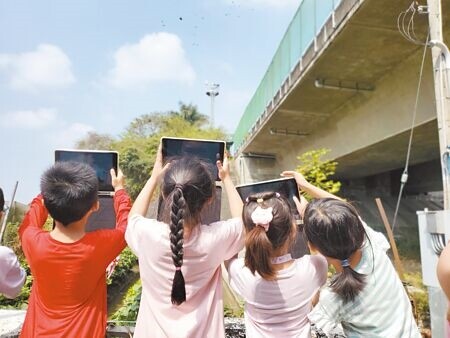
(373, 117)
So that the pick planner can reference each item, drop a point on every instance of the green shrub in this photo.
(317, 171)
(130, 308)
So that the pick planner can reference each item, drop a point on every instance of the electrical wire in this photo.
(405, 23)
(404, 177)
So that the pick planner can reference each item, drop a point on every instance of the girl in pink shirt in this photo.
(278, 290)
(180, 258)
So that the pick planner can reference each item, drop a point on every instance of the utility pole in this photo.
(441, 72)
(212, 90)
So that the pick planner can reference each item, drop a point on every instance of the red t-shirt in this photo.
(68, 298)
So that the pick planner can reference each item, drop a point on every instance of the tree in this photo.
(95, 141)
(317, 171)
(190, 113)
(138, 144)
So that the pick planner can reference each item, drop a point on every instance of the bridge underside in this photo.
(366, 130)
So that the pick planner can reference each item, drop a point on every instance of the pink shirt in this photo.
(207, 247)
(12, 276)
(279, 308)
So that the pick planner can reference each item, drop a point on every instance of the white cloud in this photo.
(28, 119)
(46, 123)
(156, 57)
(266, 3)
(68, 134)
(46, 67)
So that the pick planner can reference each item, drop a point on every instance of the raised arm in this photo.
(36, 215)
(122, 203)
(142, 202)
(307, 187)
(234, 200)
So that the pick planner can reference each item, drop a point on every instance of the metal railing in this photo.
(300, 34)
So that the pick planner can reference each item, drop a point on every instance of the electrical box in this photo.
(434, 233)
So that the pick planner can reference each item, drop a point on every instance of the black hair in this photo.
(2, 200)
(335, 229)
(187, 186)
(69, 190)
(260, 245)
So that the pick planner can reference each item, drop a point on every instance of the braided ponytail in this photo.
(186, 188)
(176, 244)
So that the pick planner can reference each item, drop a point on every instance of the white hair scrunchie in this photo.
(262, 217)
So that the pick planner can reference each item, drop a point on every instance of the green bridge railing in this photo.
(307, 22)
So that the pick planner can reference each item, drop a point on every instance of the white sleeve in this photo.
(231, 236)
(326, 316)
(12, 275)
(321, 269)
(133, 234)
(236, 275)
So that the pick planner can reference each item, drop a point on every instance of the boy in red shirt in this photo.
(68, 298)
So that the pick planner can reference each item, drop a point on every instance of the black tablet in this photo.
(208, 150)
(100, 161)
(104, 217)
(287, 187)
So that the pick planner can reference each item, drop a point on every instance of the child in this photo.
(278, 290)
(443, 274)
(180, 258)
(12, 275)
(68, 298)
(365, 296)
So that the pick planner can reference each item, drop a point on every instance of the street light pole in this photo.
(212, 90)
(441, 64)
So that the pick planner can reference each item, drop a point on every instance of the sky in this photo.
(74, 66)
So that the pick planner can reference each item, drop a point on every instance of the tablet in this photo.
(100, 161)
(286, 187)
(104, 217)
(208, 150)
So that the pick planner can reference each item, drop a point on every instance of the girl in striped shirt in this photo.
(365, 297)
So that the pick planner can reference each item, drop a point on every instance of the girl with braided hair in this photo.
(278, 290)
(180, 258)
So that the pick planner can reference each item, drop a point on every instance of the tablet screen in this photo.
(100, 161)
(207, 150)
(286, 187)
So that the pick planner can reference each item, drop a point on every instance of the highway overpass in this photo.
(344, 78)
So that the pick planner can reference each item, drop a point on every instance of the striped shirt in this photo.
(382, 309)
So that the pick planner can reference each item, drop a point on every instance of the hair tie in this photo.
(345, 263)
(277, 195)
(178, 268)
(178, 186)
(262, 217)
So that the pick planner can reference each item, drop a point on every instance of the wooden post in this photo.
(397, 261)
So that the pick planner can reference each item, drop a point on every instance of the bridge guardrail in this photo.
(308, 21)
